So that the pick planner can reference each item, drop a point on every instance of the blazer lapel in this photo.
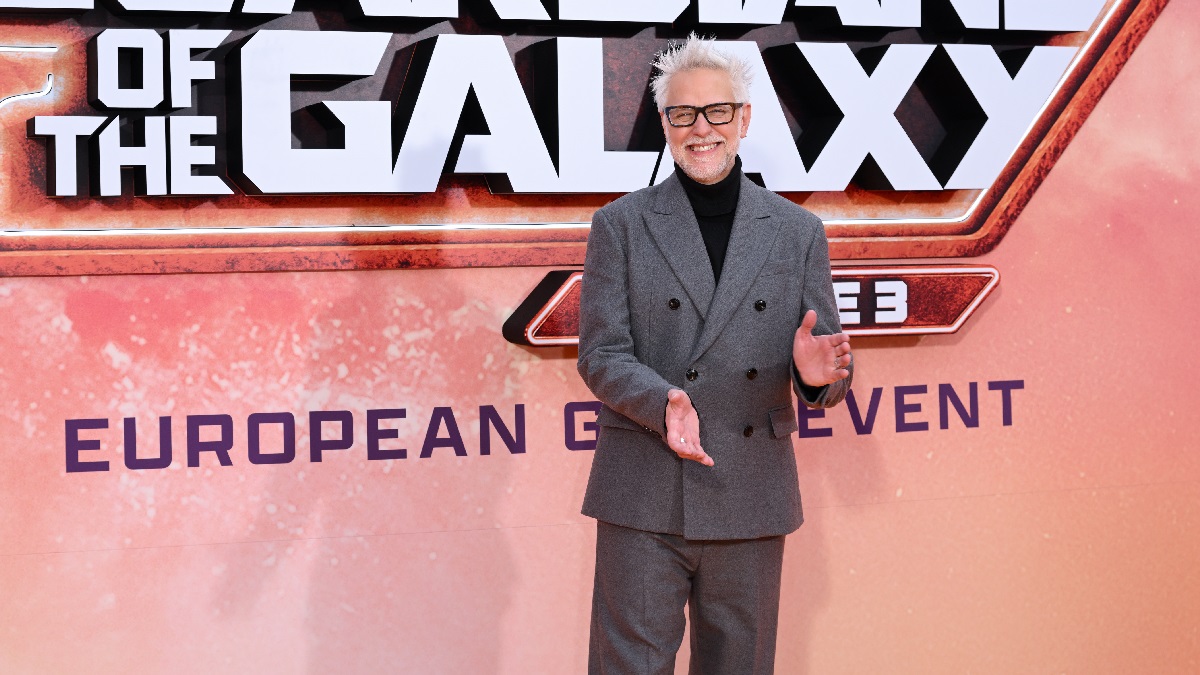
(750, 243)
(673, 226)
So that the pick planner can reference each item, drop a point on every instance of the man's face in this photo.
(704, 151)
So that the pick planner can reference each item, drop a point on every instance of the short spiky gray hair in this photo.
(696, 53)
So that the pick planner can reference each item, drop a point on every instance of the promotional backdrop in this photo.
(344, 466)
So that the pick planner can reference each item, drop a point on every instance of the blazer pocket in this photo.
(783, 421)
(773, 267)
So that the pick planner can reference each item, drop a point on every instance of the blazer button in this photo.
(673, 303)
(748, 431)
(760, 305)
(752, 373)
(692, 374)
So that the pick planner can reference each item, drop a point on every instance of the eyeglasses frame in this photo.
(700, 110)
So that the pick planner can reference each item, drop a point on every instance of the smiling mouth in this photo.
(703, 147)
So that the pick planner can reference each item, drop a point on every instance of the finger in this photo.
(698, 455)
(808, 323)
(837, 349)
(841, 364)
(676, 398)
(833, 341)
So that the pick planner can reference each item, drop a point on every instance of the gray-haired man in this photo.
(705, 301)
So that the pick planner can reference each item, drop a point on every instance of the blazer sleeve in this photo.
(607, 360)
(818, 296)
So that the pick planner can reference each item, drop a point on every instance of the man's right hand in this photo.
(683, 428)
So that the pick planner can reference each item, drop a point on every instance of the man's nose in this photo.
(701, 127)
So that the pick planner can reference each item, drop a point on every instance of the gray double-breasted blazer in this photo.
(653, 319)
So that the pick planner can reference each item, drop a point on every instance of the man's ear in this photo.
(745, 119)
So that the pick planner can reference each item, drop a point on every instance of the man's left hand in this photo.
(820, 359)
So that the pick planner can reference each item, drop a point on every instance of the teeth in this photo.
(704, 148)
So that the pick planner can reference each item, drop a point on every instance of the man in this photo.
(703, 299)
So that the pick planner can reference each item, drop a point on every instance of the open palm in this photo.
(820, 359)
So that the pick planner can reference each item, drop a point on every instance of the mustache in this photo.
(703, 140)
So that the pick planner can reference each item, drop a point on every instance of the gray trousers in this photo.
(643, 581)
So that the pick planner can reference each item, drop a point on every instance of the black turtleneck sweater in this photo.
(714, 206)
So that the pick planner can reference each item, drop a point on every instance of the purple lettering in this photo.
(1006, 387)
(254, 429)
(903, 408)
(132, 461)
(221, 446)
(946, 394)
(804, 414)
(375, 434)
(590, 426)
(318, 444)
(862, 427)
(433, 440)
(75, 445)
(489, 419)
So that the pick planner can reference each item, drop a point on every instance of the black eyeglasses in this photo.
(715, 113)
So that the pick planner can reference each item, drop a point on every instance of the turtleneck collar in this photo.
(718, 199)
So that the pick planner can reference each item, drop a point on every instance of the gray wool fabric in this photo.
(651, 312)
(643, 581)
